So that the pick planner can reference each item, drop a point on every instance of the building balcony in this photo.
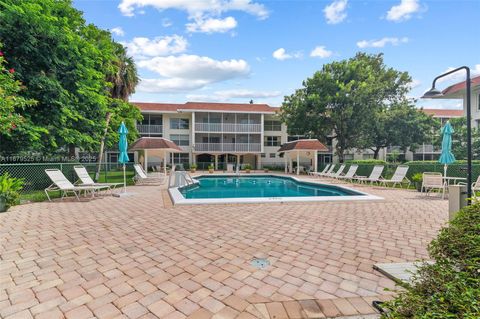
(228, 147)
(150, 129)
(228, 128)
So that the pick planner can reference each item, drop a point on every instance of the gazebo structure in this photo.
(301, 148)
(158, 146)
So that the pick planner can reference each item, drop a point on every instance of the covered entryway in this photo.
(306, 148)
(155, 147)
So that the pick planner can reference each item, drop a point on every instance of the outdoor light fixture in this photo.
(434, 93)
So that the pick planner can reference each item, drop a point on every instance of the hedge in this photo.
(449, 288)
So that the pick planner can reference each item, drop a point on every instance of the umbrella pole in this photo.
(445, 170)
(124, 180)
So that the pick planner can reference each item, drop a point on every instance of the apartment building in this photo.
(219, 133)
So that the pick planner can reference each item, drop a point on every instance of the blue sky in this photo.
(237, 50)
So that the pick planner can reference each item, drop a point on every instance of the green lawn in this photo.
(110, 177)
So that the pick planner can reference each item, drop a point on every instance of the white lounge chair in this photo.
(350, 174)
(476, 188)
(86, 180)
(374, 177)
(329, 171)
(337, 173)
(62, 184)
(141, 177)
(325, 169)
(433, 181)
(398, 177)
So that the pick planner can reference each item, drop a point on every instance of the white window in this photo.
(273, 155)
(180, 139)
(179, 124)
(272, 125)
(263, 155)
(272, 141)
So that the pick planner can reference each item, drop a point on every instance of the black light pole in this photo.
(433, 93)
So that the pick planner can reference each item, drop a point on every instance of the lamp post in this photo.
(434, 93)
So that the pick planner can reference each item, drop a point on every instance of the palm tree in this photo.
(123, 80)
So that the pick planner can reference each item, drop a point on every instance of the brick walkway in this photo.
(139, 257)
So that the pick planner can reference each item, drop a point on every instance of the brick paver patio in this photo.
(139, 257)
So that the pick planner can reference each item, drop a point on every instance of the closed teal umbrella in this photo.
(447, 157)
(123, 148)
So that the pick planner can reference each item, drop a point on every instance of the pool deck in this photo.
(141, 257)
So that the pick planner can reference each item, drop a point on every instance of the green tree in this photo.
(459, 139)
(67, 67)
(338, 100)
(12, 123)
(123, 79)
(399, 124)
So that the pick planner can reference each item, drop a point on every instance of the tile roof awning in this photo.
(457, 90)
(155, 143)
(303, 145)
(206, 107)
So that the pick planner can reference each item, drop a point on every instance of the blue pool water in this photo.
(259, 186)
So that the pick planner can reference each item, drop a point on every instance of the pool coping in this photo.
(179, 199)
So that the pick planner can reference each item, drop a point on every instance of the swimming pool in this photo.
(260, 188)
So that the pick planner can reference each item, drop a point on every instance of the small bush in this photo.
(367, 162)
(10, 188)
(450, 288)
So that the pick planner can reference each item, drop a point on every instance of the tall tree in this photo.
(399, 124)
(11, 107)
(339, 99)
(459, 139)
(123, 79)
(66, 66)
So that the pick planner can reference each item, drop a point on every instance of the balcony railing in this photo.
(228, 147)
(228, 127)
(149, 129)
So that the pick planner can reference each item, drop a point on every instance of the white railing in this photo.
(228, 147)
(228, 127)
(149, 129)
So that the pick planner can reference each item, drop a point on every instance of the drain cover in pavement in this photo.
(260, 263)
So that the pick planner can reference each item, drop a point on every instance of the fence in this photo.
(35, 178)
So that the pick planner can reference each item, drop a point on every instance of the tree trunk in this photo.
(71, 151)
(375, 153)
(102, 146)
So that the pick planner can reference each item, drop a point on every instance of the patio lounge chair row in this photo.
(399, 177)
(85, 183)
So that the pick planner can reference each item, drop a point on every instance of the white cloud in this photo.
(212, 25)
(381, 42)
(166, 23)
(335, 11)
(189, 72)
(206, 11)
(460, 75)
(118, 31)
(225, 95)
(321, 52)
(415, 84)
(160, 46)
(281, 54)
(404, 10)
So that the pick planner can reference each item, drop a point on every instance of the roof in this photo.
(206, 106)
(154, 143)
(460, 87)
(303, 145)
(444, 113)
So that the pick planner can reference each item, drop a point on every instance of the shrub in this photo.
(248, 166)
(367, 161)
(193, 166)
(450, 288)
(10, 188)
(210, 166)
(417, 178)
